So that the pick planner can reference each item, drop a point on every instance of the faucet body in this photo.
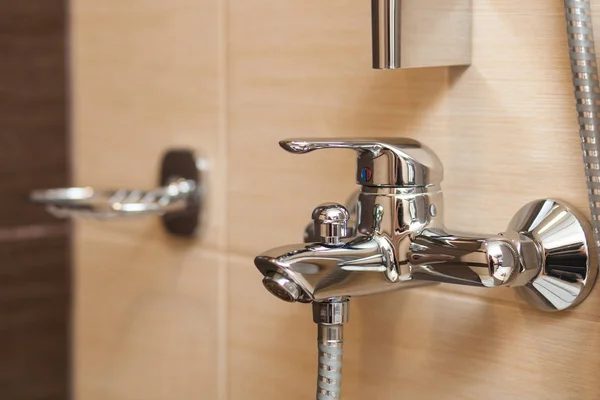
(394, 237)
(401, 242)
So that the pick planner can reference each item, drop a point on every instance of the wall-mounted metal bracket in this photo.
(421, 33)
(177, 200)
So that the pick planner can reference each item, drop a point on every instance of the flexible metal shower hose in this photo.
(329, 379)
(587, 95)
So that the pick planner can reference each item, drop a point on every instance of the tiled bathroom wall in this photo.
(159, 318)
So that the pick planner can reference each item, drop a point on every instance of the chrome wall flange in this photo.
(569, 264)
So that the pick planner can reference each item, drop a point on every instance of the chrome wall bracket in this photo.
(177, 199)
(421, 33)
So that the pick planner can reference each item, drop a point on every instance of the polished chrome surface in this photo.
(570, 264)
(358, 267)
(177, 200)
(330, 317)
(331, 223)
(421, 33)
(331, 312)
(385, 162)
(400, 241)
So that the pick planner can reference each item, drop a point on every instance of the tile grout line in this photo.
(33, 232)
(71, 43)
(223, 290)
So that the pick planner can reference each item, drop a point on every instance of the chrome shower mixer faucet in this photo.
(393, 236)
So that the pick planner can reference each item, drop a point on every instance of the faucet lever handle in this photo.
(385, 162)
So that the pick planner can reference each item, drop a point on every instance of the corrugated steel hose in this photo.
(330, 317)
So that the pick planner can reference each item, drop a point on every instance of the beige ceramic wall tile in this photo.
(270, 343)
(418, 344)
(146, 78)
(146, 323)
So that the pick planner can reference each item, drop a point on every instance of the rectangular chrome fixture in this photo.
(421, 33)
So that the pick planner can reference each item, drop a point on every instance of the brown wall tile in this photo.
(33, 113)
(34, 248)
(34, 309)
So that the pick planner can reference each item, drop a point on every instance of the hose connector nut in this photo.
(335, 312)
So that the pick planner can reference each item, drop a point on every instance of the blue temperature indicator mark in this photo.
(366, 174)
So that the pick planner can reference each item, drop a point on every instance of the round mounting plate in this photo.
(569, 262)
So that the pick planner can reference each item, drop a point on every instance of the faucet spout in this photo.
(358, 267)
